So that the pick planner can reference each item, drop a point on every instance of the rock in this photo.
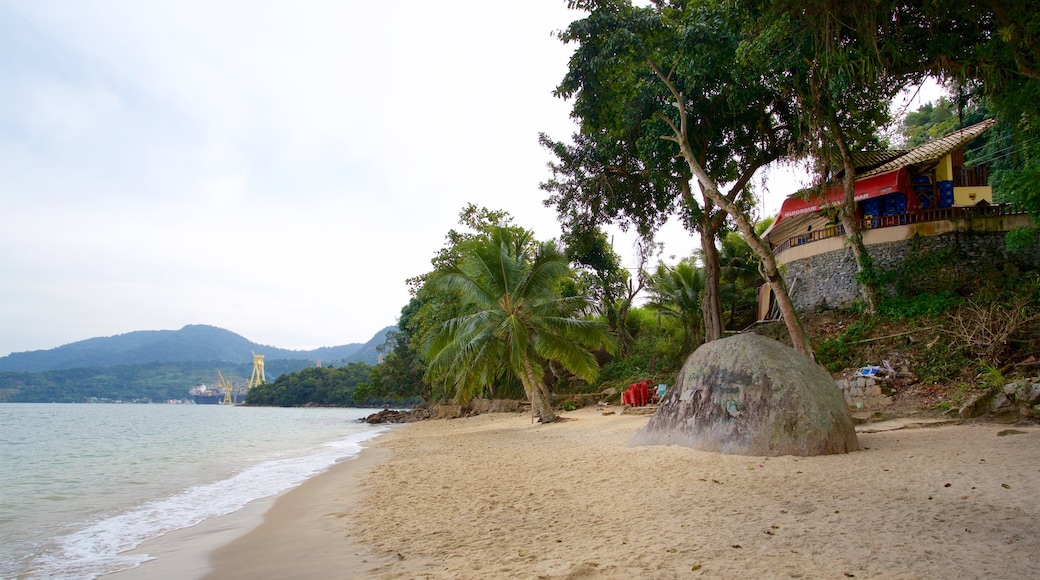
(392, 416)
(977, 405)
(999, 401)
(1006, 416)
(750, 395)
(1028, 393)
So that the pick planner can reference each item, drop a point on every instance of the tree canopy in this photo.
(513, 322)
(667, 78)
(321, 386)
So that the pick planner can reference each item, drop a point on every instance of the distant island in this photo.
(157, 365)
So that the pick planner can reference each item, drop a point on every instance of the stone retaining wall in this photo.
(863, 393)
(828, 280)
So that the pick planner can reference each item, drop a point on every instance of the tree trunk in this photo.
(541, 402)
(847, 215)
(711, 302)
(864, 263)
(799, 338)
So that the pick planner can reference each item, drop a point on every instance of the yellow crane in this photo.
(224, 384)
(258, 377)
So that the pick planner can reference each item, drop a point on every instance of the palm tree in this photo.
(513, 323)
(740, 274)
(676, 292)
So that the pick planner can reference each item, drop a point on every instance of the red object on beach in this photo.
(637, 394)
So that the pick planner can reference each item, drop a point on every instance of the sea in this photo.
(80, 484)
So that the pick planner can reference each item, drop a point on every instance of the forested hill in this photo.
(193, 343)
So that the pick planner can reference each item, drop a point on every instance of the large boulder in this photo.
(750, 395)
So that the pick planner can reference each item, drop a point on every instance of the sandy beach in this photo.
(495, 496)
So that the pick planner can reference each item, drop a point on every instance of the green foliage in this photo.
(659, 349)
(942, 362)
(512, 323)
(839, 352)
(929, 121)
(402, 373)
(153, 382)
(1021, 239)
(924, 304)
(676, 292)
(922, 285)
(669, 113)
(834, 353)
(398, 376)
(323, 387)
(601, 277)
(741, 278)
(990, 376)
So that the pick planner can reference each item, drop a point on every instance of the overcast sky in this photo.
(275, 168)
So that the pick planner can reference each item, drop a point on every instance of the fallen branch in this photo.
(876, 338)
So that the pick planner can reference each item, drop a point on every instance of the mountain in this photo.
(193, 343)
(157, 365)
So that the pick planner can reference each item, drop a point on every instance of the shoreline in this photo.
(191, 552)
(497, 496)
(300, 535)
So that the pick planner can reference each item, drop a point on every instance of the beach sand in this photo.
(495, 496)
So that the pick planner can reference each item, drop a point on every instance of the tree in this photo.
(740, 277)
(929, 121)
(993, 49)
(513, 322)
(677, 292)
(399, 374)
(402, 374)
(843, 85)
(608, 284)
(672, 70)
(324, 386)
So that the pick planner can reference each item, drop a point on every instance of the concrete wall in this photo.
(827, 279)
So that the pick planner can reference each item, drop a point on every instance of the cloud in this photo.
(276, 168)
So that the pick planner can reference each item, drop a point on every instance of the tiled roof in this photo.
(867, 160)
(932, 150)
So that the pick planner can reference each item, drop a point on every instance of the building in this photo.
(906, 200)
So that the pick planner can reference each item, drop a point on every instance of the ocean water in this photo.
(79, 484)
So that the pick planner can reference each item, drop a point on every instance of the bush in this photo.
(902, 307)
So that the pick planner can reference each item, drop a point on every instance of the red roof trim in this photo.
(875, 186)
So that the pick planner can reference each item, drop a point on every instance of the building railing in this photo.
(930, 215)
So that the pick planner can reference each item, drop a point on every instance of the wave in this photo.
(99, 547)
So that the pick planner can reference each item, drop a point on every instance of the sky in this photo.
(275, 168)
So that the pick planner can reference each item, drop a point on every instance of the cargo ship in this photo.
(204, 395)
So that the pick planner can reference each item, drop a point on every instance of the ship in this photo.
(225, 393)
(205, 395)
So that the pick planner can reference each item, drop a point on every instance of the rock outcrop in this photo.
(395, 416)
(751, 395)
(1016, 400)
